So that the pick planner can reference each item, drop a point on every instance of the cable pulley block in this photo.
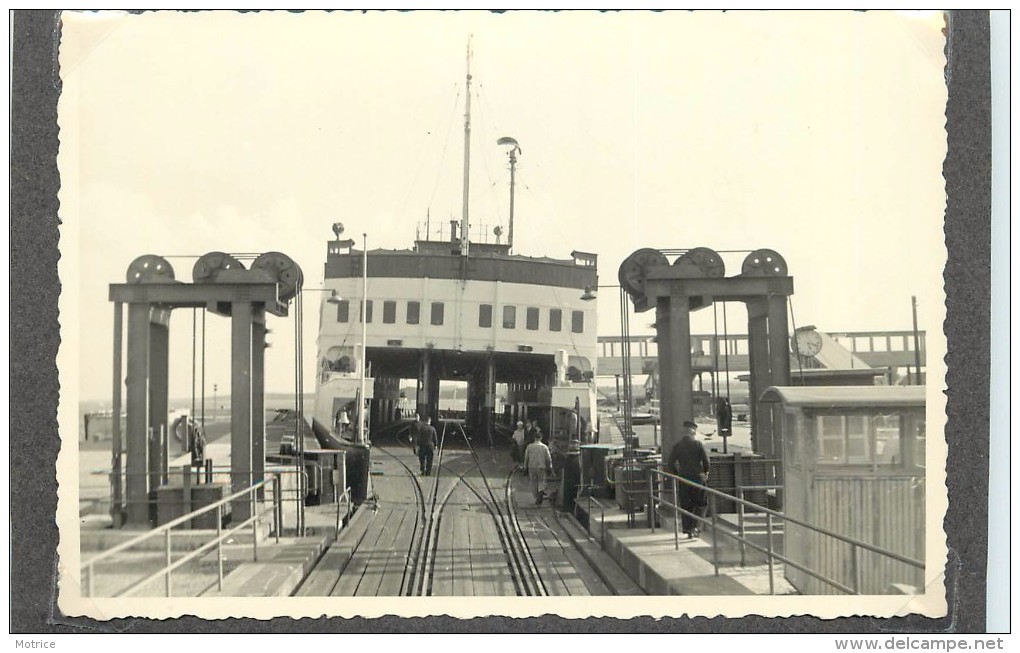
(764, 263)
(150, 269)
(287, 273)
(209, 267)
(700, 263)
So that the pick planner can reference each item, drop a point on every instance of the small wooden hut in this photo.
(854, 464)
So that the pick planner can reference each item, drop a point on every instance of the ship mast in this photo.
(464, 223)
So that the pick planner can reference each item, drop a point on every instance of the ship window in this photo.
(532, 319)
(389, 312)
(413, 311)
(368, 311)
(485, 315)
(577, 322)
(437, 313)
(343, 310)
(555, 319)
(509, 317)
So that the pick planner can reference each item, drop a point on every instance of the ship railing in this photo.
(273, 511)
(663, 491)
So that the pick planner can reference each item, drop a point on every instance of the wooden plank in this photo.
(348, 583)
(379, 564)
(532, 530)
(442, 577)
(493, 567)
(554, 542)
(461, 555)
(399, 558)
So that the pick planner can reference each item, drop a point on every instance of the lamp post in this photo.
(514, 150)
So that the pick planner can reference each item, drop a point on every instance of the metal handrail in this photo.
(89, 565)
(658, 500)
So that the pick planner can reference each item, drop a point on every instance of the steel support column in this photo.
(760, 378)
(138, 415)
(424, 383)
(159, 374)
(675, 382)
(258, 399)
(116, 470)
(240, 405)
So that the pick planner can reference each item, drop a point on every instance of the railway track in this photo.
(432, 508)
(458, 491)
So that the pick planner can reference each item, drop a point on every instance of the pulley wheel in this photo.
(208, 266)
(150, 269)
(635, 267)
(764, 263)
(700, 263)
(287, 273)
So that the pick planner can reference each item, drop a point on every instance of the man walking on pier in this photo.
(425, 442)
(689, 461)
(538, 462)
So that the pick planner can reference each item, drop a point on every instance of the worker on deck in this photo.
(538, 462)
(689, 461)
(518, 443)
(425, 443)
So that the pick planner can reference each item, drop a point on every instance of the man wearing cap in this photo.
(518, 452)
(689, 461)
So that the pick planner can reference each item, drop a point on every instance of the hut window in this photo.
(830, 439)
(888, 439)
(413, 312)
(389, 312)
(485, 315)
(858, 449)
(437, 313)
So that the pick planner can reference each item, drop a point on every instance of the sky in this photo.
(818, 135)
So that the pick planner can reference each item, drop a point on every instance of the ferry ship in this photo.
(520, 331)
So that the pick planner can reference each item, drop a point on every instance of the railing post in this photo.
(254, 526)
(740, 525)
(676, 518)
(219, 547)
(768, 536)
(651, 500)
(277, 505)
(715, 534)
(855, 581)
(169, 561)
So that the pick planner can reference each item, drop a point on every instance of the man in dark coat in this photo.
(425, 443)
(689, 461)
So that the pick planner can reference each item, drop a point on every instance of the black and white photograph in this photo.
(470, 313)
